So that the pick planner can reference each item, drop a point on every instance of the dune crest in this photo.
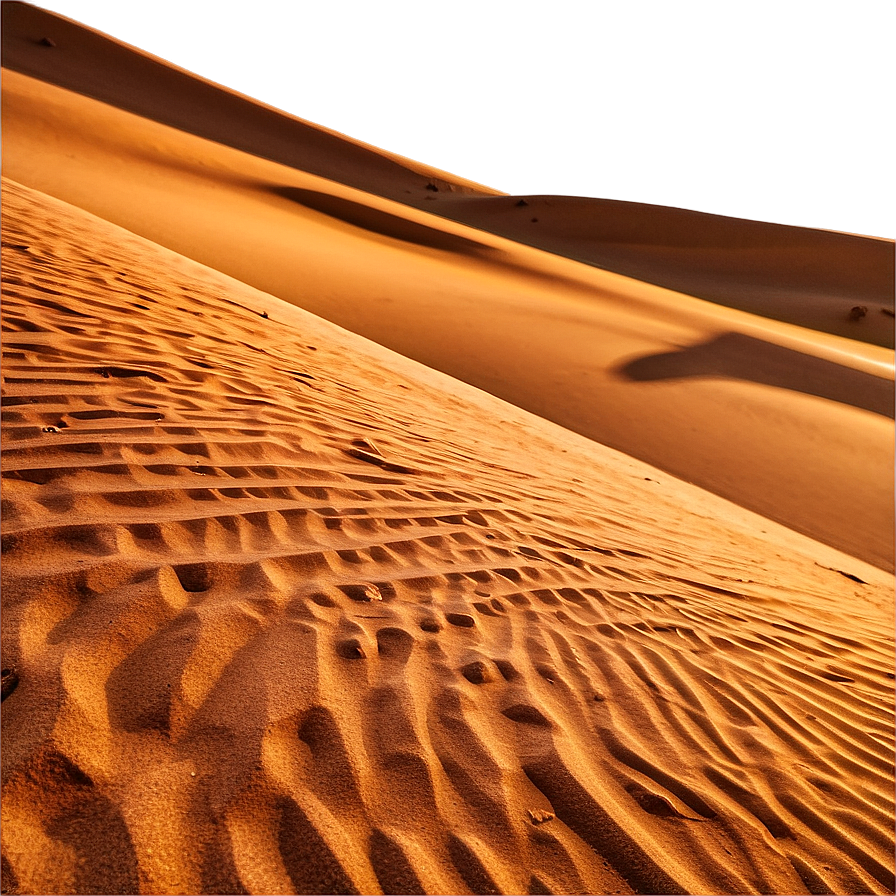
(286, 612)
(96, 65)
(813, 278)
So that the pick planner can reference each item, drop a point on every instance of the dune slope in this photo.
(812, 278)
(91, 63)
(286, 612)
(790, 422)
(808, 277)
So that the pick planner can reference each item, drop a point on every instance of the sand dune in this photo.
(95, 65)
(807, 277)
(292, 608)
(483, 308)
(812, 278)
(290, 613)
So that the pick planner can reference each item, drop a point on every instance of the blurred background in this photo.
(777, 111)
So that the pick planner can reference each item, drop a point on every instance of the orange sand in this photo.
(287, 611)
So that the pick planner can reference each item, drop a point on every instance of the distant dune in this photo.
(565, 567)
(813, 278)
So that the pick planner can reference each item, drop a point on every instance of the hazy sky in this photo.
(779, 111)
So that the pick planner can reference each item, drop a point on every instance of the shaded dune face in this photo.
(379, 222)
(812, 278)
(737, 356)
(282, 616)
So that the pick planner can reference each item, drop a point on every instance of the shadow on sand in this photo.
(383, 223)
(737, 356)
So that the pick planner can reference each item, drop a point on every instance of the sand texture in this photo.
(663, 376)
(367, 530)
(289, 613)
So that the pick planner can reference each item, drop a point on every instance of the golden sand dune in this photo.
(809, 277)
(788, 421)
(286, 612)
(96, 65)
(813, 278)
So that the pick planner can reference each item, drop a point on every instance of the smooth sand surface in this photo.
(96, 65)
(813, 278)
(290, 613)
(285, 610)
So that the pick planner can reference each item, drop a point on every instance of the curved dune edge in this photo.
(832, 282)
(661, 376)
(812, 278)
(93, 64)
(284, 612)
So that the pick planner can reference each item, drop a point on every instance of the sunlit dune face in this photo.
(775, 111)
(285, 612)
(368, 530)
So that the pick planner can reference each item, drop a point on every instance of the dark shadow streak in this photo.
(383, 223)
(741, 357)
(399, 228)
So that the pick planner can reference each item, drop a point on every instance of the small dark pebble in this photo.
(857, 312)
(522, 202)
(432, 187)
(888, 311)
(47, 42)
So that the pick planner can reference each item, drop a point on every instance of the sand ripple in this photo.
(280, 615)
